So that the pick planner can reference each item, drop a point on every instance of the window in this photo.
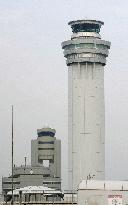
(46, 163)
(41, 142)
(50, 134)
(101, 46)
(11, 182)
(46, 175)
(46, 182)
(45, 148)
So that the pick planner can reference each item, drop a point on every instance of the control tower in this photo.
(46, 151)
(86, 56)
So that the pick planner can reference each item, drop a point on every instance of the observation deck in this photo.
(46, 132)
(86, 44)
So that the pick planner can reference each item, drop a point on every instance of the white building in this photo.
(86, 57)
(103, 193)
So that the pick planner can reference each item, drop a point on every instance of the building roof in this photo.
(35, 189)
(103, 185)
(86, 21)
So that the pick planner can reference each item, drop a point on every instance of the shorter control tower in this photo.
(46, 151)
(86, 56)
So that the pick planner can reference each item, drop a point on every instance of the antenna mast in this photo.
(12, 158)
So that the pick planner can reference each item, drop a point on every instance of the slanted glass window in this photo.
(79, 45)
(101, 46)
(41, 142)
(85, 27)
(46, 133)
(84, 45)
(90, 45)
(70, 47)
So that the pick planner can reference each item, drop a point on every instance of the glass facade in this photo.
(41, 142)
(46, 133)
(45, 148)
(85, 27)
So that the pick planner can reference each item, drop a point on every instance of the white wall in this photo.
(86, 122)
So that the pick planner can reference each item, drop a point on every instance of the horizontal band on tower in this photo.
(86, 41)
(90, 60)
(86, 50)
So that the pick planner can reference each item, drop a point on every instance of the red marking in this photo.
(114, 196)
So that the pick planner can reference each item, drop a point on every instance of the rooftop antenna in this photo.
(12, 157)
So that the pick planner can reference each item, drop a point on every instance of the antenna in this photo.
(12, 157)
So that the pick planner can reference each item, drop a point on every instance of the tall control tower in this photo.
(86, 57)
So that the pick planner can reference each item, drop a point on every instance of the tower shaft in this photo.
(86, 122)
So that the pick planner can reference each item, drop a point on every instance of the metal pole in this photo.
(72, 197)
(25, 159)
(20, 197)
(53, 198)
(12, 157)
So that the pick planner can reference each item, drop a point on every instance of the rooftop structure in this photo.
(103, 185)
(103, 192)
(35, 194)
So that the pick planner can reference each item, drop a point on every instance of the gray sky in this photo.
(33, 76)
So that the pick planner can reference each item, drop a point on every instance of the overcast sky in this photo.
(33, 76)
